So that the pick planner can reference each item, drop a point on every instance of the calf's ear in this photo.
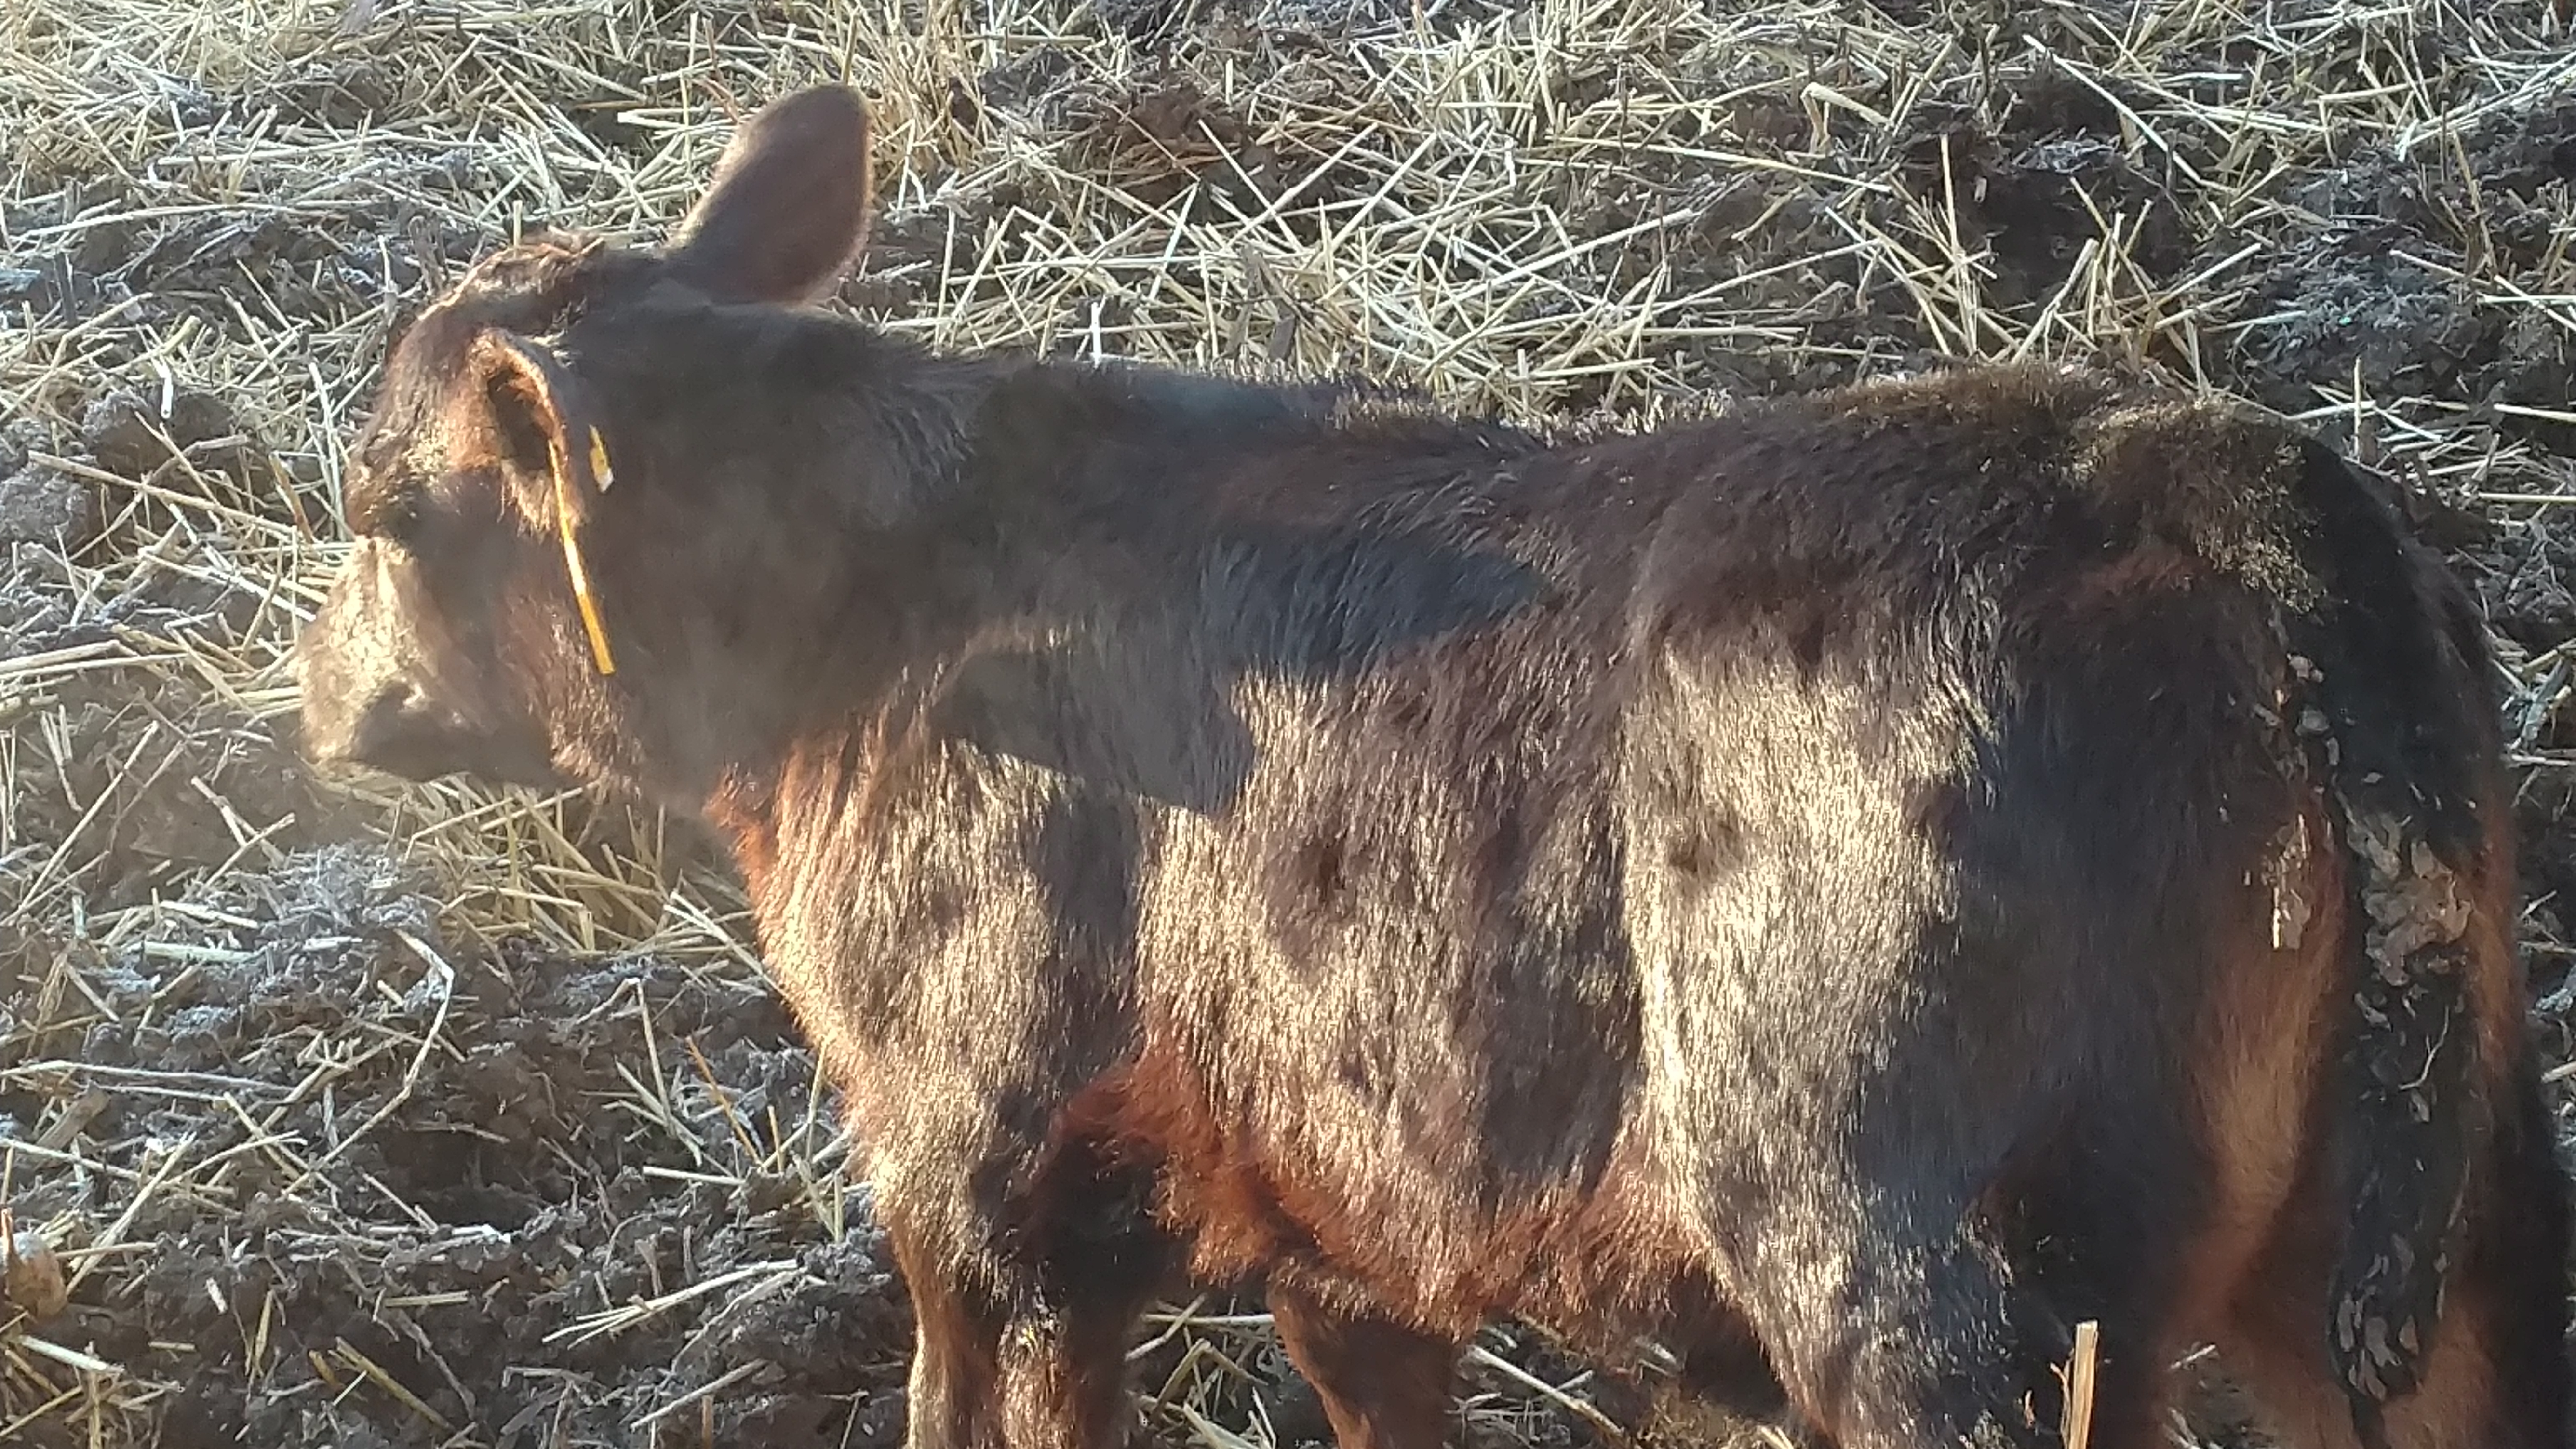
(536, 417)
(787, 213)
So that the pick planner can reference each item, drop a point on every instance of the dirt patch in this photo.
(451, 1187)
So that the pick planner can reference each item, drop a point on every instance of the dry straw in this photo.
(1575, 209)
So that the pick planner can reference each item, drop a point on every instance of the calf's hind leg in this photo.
(1909, 1305)
(2497, 1375)
(1935, 1343)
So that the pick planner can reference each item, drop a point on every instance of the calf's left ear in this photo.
(787, 213)
(538, 417)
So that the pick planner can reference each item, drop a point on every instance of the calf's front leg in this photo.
(1021, 1333)
(1383, 1385)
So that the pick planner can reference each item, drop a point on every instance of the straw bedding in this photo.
(337, 1113)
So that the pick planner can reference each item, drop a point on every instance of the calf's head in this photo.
(540, 498)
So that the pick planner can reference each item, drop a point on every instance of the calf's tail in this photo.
(2399, 720)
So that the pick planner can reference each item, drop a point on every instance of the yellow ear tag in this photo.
(572, 549)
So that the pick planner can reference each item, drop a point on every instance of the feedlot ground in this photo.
(356, 1115)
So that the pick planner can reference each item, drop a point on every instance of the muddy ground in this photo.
(335, 1161)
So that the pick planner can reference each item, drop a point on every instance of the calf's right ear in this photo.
(787, 213)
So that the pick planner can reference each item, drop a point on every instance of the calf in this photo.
(1855, 889)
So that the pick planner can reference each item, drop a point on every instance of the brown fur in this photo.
(1852, 888)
